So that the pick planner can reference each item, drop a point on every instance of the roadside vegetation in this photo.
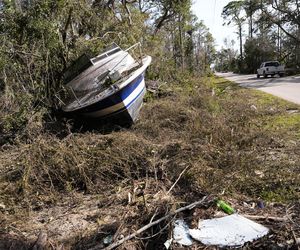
(226, 141)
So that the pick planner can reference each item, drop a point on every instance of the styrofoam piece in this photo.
(233, 230)
(181, 233)
(168, 243)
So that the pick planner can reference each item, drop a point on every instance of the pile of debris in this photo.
(227, 227)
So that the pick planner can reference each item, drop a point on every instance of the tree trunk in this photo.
(174, 46)
(181, 41)
(278, 44)
(241, 41)
(241, 48)
(298, 47)
(251, 26)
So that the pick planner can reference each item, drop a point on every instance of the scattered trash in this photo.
(249, 204)
(108, 240)
(233, 231)
(292, 111)
(259, 173)
(168, 243)
(225, 207)
(181, 233)
(2, 206)
(253, 107)
(213, 93)
(260, 204)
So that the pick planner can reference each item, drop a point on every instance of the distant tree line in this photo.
(273, 34)
(39, 39)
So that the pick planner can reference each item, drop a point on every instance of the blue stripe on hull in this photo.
(127, 107)
(135, 89)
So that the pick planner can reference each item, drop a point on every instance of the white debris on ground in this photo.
(233, 231)
(229, 231)
(168, 243)
(181, 233)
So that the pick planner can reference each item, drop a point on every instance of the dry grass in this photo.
(224, 136)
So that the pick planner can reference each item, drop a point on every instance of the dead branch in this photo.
(146, 227)
(177, 180)
(12, 51)
(106, 34)
(64, 32)
(278, 23)
(162, 20)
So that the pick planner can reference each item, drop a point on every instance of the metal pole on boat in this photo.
(141, 53)
(131, 47)
(75, 96)
(140, 49)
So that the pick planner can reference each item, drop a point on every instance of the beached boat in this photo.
(109, 85)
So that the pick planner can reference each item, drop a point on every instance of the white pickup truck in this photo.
(270, 69)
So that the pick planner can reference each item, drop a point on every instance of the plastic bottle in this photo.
(225, 207)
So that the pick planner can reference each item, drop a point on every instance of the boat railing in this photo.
(139, 46)
(139, 60)
(106, 54)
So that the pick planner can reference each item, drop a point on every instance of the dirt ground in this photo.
(86, 188)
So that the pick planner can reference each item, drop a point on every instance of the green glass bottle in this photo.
(225, 207)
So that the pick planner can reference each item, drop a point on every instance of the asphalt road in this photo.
(287, 88)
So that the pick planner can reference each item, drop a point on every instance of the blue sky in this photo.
(210, 12)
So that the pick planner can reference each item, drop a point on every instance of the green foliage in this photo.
(232, 13)
(258, 50)
(280, 194)
(273, 33)
(226, 58)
